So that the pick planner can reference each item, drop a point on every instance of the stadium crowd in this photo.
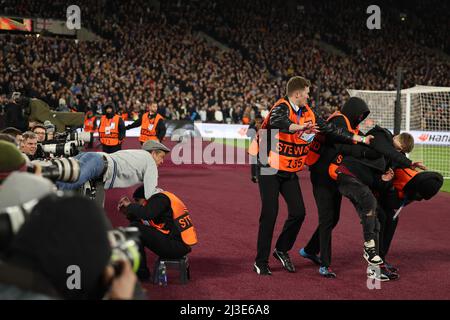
(157, 55)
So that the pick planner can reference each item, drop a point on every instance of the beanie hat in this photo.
(65, 231)
(11, 159)
(21, 187)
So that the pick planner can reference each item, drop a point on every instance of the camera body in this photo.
(125, 246)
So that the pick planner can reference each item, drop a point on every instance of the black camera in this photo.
(125, 246)
(64, 169)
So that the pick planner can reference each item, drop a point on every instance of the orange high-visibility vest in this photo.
(319, 140)
(338, 159)
(148, 127)
(109, 131)
(182, 219)
(290, 149)
(401, 178)
(89, 124)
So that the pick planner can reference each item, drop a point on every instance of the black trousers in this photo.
(387, 229)
(328, 201)
(161, 244)
(364, 202)
(111, 149)
(270, 186)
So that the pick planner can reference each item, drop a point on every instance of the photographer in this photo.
(41, 134)
(29, 144)
(121, 169)
(16, 133)
(164, 224)
(18, 193)
(38, 267)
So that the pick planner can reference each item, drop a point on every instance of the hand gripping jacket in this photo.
(148, 127)
(317, 144)
(181, 218)
(109, 131)
(290, 149)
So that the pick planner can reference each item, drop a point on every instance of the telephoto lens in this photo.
(79, 136)
(64, 169)
(68, 149)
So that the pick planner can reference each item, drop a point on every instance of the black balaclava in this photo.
(356, 110)
(111, 114)
(65, 231)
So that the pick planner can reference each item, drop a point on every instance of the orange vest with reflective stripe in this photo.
(181, 218)
(338, 159)
(89, 124)
(401, 178)
(148, 127)
(109, 131)
(290, 149)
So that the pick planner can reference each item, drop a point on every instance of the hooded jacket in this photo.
(369, 170)
(356, 110)
(279, 119)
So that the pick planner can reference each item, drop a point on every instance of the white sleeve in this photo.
(150, 178)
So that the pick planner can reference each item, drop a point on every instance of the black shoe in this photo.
(390, 274)
(285, 260)
(371, 254)
(327, 272)
(263, 270)
(376, 273)
(311, 257)
(390, 267)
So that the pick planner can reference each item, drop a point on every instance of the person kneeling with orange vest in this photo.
(164, 223)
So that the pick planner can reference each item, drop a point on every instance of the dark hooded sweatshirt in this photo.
(369, 170)
(356, 110)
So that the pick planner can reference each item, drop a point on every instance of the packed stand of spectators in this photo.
(151, 55)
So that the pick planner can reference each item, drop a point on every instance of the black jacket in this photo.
(158, 209)
(279, 119)
(369, 170)
(356, 110)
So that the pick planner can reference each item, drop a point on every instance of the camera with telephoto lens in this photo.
(66, 144)
(65, 149)
(125, 246)
(82, 137)
(64, 169)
